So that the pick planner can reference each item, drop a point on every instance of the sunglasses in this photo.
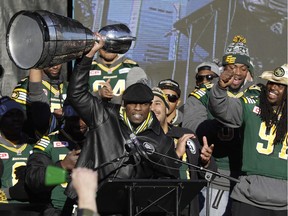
(172, 98)
(208, 77)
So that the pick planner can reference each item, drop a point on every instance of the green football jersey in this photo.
(12, 158)
(260, 156)
(227, 141)
(56, 150)
(117, 75)
(56, 95)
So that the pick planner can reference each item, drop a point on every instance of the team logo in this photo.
(124, 70)
(279, 72)
(60, 144)
(191, 146)
(4, 155)
(64, 96)
(15, 95)
(149, 148)
(256, 109)
(94, 72)
(230, 59)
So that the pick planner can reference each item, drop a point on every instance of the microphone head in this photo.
(128, 146)
(148, 148)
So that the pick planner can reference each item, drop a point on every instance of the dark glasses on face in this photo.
(172, 98)
(208, 77)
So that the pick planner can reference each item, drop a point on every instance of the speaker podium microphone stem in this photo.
(56, 175)
(148, 149)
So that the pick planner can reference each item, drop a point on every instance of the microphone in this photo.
(132, 151)
(139, 148)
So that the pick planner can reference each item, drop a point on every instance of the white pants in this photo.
(218, 201)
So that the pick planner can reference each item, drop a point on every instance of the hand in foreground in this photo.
(206, 152)
(85, 182)
(181, 145)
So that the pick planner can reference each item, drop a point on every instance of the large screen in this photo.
(173, 37)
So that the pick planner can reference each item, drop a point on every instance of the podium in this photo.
(146, 196)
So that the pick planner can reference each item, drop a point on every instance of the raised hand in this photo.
(97, 45)
(206, 152)
(106, 90)
(226, 78)
(181, 145)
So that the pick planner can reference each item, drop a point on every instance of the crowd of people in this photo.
(109, 118)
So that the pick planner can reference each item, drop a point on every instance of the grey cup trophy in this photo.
(39, 39)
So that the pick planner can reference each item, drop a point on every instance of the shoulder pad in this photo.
(94, 62)
(23, 83)
(42, 143)
(248, 100)
(24, 79)
(255, 87)
(130, 61)
(54, 133)
(198, 92)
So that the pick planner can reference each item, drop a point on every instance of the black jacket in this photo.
(108, 134)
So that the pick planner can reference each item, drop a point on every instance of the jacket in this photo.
(108, 135)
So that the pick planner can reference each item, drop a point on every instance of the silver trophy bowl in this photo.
(39, 39)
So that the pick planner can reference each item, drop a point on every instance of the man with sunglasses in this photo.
(206, 72)
(195, 109)
(173, 92)
(197, 117)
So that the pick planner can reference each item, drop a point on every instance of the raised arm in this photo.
(225, 109)
(78, 89)
(194, 113)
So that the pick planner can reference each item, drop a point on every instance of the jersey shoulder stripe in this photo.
(20, 97)
(43, 143)
(130, 61)
(199, 93)
(249, 100)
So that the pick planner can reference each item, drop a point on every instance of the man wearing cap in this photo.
(113, 68)
(60, 148)
(263, 184)
(15, 149)
(173, 92)
(195, 108)
(187, 146)
(227, 140)
(206, 72)
(111, 126)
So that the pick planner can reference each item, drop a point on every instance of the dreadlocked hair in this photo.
(270, 116)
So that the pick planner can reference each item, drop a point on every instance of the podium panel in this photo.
(146, 196)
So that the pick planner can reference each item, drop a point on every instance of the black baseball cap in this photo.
(138, 93)
(170, 84)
